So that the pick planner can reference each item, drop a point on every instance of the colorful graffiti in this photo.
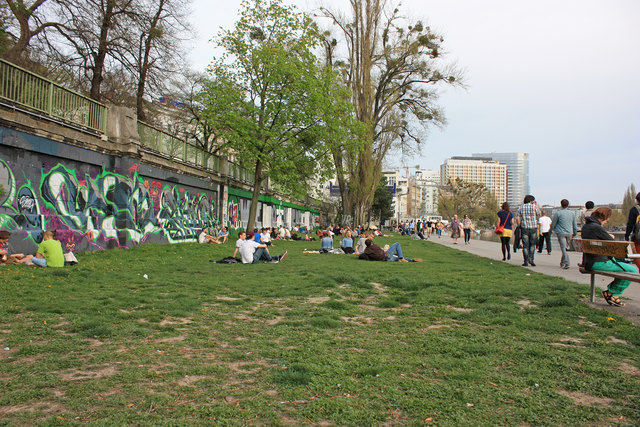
(104, 211)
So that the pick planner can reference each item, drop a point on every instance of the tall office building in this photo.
(517, 174)
(479, 170)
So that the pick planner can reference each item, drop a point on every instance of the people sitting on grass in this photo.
(266, 236)
(49, 253)
(374, 252)
(223, 236)
(593, 229)
(7, 255)
(347, 243)
(326, 244)
(205, 237)
(361, 246)
(252, 252)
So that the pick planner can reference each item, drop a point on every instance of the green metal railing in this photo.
(24, 88)
(32, 91)
(176, 148)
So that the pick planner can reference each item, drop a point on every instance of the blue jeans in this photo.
(40, 262)
(261, 254)
(564, 240)
(395, 252)
(529, 242)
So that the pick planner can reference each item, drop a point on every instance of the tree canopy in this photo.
(270, 100)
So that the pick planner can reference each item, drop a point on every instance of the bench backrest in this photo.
(618, 249)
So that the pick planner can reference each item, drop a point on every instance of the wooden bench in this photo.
(613, 248)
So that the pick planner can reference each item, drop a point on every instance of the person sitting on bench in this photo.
(593, 229)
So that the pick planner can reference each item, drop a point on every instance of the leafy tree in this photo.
(474, 199)
(269, 98)
(391, 68)
(382, 206)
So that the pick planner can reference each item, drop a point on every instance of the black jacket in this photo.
(592, 229)
(633, 216)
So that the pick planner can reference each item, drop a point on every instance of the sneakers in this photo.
(565, 267)
(283, 256)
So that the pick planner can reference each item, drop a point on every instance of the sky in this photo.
(558, 79)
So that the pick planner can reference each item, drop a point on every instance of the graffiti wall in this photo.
(91, 208)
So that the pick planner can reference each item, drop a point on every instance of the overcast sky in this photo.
(559, 79)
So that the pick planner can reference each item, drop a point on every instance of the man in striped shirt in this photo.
(527, 219)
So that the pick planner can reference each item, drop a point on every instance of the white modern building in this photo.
(517, 174)
(428, 180)
(414, 196)
(480, 170)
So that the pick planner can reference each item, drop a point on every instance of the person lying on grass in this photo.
(374, 252)
(252, 252)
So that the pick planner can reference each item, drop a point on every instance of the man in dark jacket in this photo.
(593, 229)
(634, 213)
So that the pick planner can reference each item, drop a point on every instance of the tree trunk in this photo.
(101, 54)
(144, 63)
(256, 195)
(347, 206)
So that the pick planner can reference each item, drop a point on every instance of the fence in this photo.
(178, 149)
(29, 90)
(26, 89)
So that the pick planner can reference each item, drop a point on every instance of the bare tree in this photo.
(25, 21)
(163, 26)
(96, 36)
(191, 123)
(391, 68)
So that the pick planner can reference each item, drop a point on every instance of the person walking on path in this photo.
(634, 217)
(456, 226)
(593, 229)
(527, 218)
(466, 227)
(505, 218)
(565, 227)
(544, 225)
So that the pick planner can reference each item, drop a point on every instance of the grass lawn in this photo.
(319, 339)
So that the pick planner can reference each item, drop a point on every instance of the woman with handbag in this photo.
(505, 229)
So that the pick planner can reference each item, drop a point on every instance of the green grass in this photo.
(455, 340)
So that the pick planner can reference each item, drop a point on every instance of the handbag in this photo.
(500, 227)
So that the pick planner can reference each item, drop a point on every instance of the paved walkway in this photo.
(550, 265)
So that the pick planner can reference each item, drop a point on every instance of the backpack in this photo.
(228, 260)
